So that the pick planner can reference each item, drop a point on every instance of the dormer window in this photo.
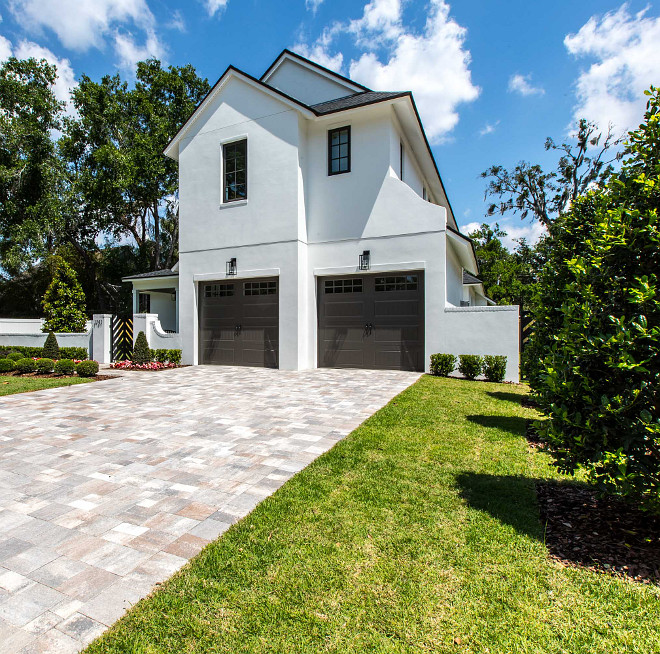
(234, 166)
(339, 150)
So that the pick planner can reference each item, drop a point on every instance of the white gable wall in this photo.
(308, 86)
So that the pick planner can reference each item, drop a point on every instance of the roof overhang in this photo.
(152, 278)
(465, 249)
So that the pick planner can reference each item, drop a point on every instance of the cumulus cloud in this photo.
(214, 6)
(432, 61)
(625, 60)
(531, 232)
(84, 24)
(5, 48)
(523, 84)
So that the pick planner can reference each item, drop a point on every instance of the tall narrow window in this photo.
(144, 302)
(234, 156)
(401, 160)
(339, 150)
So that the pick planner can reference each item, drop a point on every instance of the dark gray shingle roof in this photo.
(154, 273)
(469, 279)
(356, 100)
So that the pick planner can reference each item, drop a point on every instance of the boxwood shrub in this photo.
(174, 356)
(494, 367)
(74, 353)
(470, 365)
(65, 367)
(15, 356)
(442, 364)
(51, 349)
(160, 355)
(87, 368)
(6, 365)
(45, 365)
(26, 365)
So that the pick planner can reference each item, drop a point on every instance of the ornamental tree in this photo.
(64, 300)
(597, 340)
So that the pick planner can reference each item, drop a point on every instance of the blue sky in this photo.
(491, 79)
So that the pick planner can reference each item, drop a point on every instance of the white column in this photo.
(142, 322)
(101, 337)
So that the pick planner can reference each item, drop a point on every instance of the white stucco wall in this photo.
(26, 325)
(165, 307)
(454, 277)
(38, 339)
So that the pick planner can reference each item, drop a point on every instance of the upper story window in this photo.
(339, 150)
(234, 165)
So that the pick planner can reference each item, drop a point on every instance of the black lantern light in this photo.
(365, 260)
(231, 266)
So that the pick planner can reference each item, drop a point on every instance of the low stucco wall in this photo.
(484, 330)
(38, 339)
(159, 339)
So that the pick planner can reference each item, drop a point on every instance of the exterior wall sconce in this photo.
(365, 260)
(231, 267)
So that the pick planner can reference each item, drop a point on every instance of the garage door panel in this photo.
(397, 359)
(345, 310)
(396, 308)
(399, 335)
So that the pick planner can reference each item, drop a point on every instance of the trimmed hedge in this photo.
(26, 365)
(141, 351)
(470, 365)
(51, 348)
(87, 368)
(38, 352)
(7, 365)
(65, 367)
(16, 356)
(442, 365)
(45, 365)
(174, 356)
(494, 367)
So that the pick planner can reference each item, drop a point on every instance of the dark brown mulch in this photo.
(602, 534)
(529, 402)
(533, 437)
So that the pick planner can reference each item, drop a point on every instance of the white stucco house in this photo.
(315, 231)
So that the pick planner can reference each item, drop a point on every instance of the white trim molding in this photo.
(243, 274)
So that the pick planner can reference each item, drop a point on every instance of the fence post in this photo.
(101, 339)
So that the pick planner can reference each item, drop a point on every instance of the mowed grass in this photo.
(11, 385)
(417, 533)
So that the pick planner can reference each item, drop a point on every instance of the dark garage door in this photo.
(238, 322)
(372, 321)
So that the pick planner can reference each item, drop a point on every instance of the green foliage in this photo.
(51, 348)
(442, 365)
(174, 356)
(7, 365)
(87, 368)
(20, 351)
(470, 365)
(141, 351)
(597, 338)
(26, 365)
(64, 301)
(494, 367)
(65, 367)
(74, 353)
(45, 365)
(15, 356)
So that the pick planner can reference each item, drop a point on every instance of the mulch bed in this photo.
(603, 534)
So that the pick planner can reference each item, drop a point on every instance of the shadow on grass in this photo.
(516, 398)
(513, 424)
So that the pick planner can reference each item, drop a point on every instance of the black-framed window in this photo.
(396, 283)
(234, 164)
(260, 288)
(343, 286)
(144, 302)
(339, 150)
(219, 290)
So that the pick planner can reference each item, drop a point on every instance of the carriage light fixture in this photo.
(365, 260)
(231, 266)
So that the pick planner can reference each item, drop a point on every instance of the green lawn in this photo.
(11, 385)
(418, 533)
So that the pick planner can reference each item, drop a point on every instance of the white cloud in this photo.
(5, 48)
(130, 52)
(313, 5)
(531, 232)
(523, 84)
(431, 62)
(213, 6)
(626, 60)
(177, 23)
(488, 128)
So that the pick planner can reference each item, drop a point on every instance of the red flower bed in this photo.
(154, 365)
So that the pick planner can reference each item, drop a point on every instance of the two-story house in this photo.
(315, 231)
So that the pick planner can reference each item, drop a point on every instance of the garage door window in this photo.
(343, 286)
(398, 283)
(260, 288)
(219, 290)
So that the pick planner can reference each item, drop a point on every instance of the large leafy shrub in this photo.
(65, 367)
(470, 365)
(442, 364)
(51, 348)
(597, 340)
(494, 368)
(141, 351)
(87, 368)
(64, 300)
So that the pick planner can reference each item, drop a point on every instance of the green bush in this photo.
(45, 365)
(470, 365)
(597, 330)
(65, 367)
(15, 356)
(174, 356)
(160, 355)
(87, 368)
(494, 367)
(51, 349)
(26, 365)
(442, 364)
(64, 300)
(141, 351)
(74, 353)
(6, 365)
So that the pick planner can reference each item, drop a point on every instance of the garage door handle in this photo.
(368, 328)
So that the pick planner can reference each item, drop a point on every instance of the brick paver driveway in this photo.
(108, 488)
